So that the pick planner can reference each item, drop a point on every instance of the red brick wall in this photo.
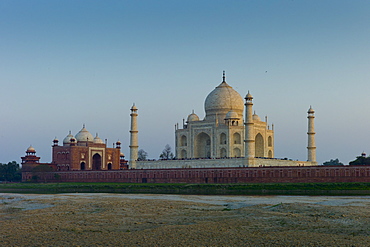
(216, 175)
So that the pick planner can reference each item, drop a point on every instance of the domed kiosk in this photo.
(221, 133)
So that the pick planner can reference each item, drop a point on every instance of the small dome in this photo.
(249, 96)
(193, 117)
(122, 155)
(67, 139)
(84, 136)
(30, 149)
(118, 143)
(55, 140)
(256, 117)
(311, 111)
(98, 140)
(232, 115)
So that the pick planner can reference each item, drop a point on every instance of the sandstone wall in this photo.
(213, 175)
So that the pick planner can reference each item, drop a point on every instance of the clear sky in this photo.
(68, 63)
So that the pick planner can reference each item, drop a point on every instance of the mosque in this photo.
(230, 135)
(78, 153)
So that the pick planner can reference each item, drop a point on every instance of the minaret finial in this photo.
(83, 125)
(223, 76)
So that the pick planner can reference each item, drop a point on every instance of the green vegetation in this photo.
(201, 189)
(360, 160)
(332, 162)
(166, 153)
(10, 172)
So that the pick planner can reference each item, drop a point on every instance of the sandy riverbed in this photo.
(183, 220)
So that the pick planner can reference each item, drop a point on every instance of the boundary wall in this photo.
(304, 174)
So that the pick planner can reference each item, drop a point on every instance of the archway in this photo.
(269, 141)
(260, 152)
(183, 154)
(237, 138)
(237, 152)
(223, 153)
(109, 166)
(270, 154)
(202, 147)
(223, 139)
(96, 162)
(183, 141)
(82, 166)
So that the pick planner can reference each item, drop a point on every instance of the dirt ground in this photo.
(175, 220)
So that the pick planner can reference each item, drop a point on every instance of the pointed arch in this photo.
(82, 166)
(223, 139)
(237, 152)
(184, 154)
(269, 141)
(202, 146)
(183, 141)
(259, 146)
(96, 162)
(237, 138)
(223, 153)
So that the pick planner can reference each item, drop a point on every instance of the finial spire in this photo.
(223, 76)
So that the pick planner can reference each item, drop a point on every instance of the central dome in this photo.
(84, 135)
(222, 100)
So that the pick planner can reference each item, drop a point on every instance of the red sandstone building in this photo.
(78, 153)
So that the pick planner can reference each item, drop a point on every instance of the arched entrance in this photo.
(202, 147)
(82, 166)
(96, 162)
(109, 166)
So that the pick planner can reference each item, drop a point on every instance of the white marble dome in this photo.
(256, 117)
(222, 100)
(193, 117)
(67, 139)
(84, 136)
(232, 115)
(98, 140)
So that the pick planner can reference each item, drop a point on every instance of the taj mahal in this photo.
(224, 138)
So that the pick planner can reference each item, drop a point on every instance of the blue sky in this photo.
(68, 63)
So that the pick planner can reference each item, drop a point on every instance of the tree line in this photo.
(10, 172)
(165, 155)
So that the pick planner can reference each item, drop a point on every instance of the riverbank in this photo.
(81, 219)
(192, 189)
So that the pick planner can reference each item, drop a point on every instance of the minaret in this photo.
(311, 148)
(249, 127)
(134, 144)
